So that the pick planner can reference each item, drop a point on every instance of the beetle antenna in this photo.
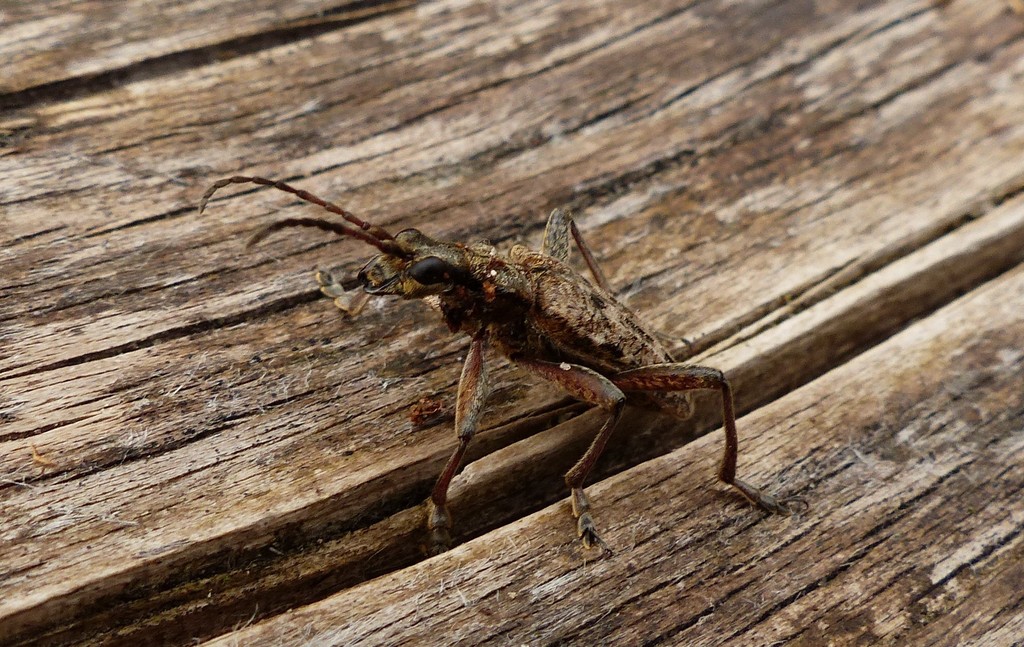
(386, 246)
(370, 234)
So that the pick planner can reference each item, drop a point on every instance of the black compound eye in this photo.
(430, 270)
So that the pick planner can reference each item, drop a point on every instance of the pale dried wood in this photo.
(51, 50)
(184, 439)
(908, 456)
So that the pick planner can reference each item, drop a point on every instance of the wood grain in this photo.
(65, 48)
(908, 456)
(191, 438)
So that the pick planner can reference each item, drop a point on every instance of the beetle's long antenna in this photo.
(370, 234)
(386, 246)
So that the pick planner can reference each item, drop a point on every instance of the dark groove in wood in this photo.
(81, 86)
(278, 305)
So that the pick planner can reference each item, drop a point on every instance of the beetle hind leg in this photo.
(686, 377)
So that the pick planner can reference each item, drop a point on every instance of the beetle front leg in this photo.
(589, 386)
(684, 377)
(469, 405)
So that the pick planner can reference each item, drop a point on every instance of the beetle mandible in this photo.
(542, 315)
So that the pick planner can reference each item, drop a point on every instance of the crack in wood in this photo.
(199, 327)
(75, 87)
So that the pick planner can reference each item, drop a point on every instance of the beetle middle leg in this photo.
(589, 386)
(686, 377)
(469, 404)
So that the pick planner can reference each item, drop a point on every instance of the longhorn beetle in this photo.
(544, 317)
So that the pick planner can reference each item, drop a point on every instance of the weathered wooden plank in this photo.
(908, 456)
(771, 353)
(53, 49)
(139, 258)
(916, 282)
(125, 367)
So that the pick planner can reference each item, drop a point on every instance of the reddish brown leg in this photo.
(683, 377)
(590, 386)
(468, 406)
(556, 244)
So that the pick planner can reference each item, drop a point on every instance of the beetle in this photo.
(541, 314)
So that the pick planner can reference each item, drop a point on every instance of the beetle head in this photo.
(430, 267)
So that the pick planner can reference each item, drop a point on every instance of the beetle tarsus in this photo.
(439, 526)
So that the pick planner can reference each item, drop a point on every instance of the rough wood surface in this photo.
(910, 456)
(192, 439)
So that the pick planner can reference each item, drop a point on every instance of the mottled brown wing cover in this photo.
(583, 324)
